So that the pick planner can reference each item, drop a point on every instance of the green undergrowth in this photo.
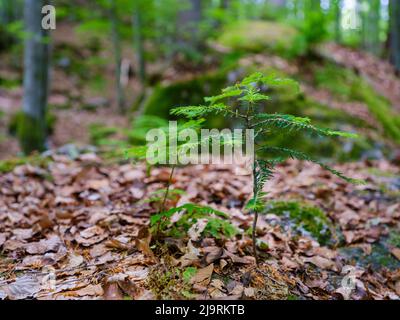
(258, 36)
(305, 219)
(17, 121)
(166, 97)
(34, 160)
(348, 86)
(167, 281)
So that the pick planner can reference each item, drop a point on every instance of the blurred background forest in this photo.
(111, 69)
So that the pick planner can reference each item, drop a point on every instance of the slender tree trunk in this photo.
(32, 125)
(373, 27)
(225, 4)
(138, 42)
(116, 41)
(395, 33)
(338, 20)
(189, 20)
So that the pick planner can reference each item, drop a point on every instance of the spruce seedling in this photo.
(244, 101)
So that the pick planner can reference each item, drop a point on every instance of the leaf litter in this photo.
(84, 220)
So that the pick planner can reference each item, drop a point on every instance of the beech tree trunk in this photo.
(32, 124)
(138, 42)
(338, 20)
(395, 33)
(116, 41)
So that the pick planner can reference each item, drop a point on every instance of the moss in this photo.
(182, 93)
(379, 258)
(347, 86)
(18, 118)
(305, 218)
(257, 36)
(10, 83)
(35, 160)
(31, 133)
(394, 239)
(167, 281)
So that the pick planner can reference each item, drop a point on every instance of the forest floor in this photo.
(74, 225)
(84, 222)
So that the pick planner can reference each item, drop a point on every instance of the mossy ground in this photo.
(305, 218)
(258, 36)
(35, 160)
(187, 92)
(348, 86)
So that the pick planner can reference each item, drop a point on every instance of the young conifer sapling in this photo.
(244, 101)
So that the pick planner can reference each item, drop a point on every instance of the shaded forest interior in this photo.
(82, 82)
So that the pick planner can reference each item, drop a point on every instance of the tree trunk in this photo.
(116, 41)
(32, 125)
(189, 20)
(138, 43)
(395, 33)
(224, 4)
(338, 20)
(373, 21)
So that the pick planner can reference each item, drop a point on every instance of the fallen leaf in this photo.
(321, 262)
(46, 245)
(90, 290)
(249, 292)
(396, 252)
(203, 276)
(112, 292)
(196, 229)
(212, 254)
(24, 287)
(2, 239)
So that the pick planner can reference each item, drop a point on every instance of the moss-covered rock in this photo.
(305, 218)
(184, 93)
(257, 36)
(348, 86)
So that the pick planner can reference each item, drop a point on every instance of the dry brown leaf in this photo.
(203, 276)
(46, 245)
(112, 292)
(396, 252)
(2, 239)
(90, 290)
(321, 262)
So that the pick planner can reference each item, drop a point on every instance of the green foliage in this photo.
(394, 239)
(34, 160)
(157, 197)
(142, 125)
(100, 134)
(183, 92)
(305, 217)
(258, 36)
(17, 120)
(189, 273)
(31, 132)
(347, 86)
(216, 226)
